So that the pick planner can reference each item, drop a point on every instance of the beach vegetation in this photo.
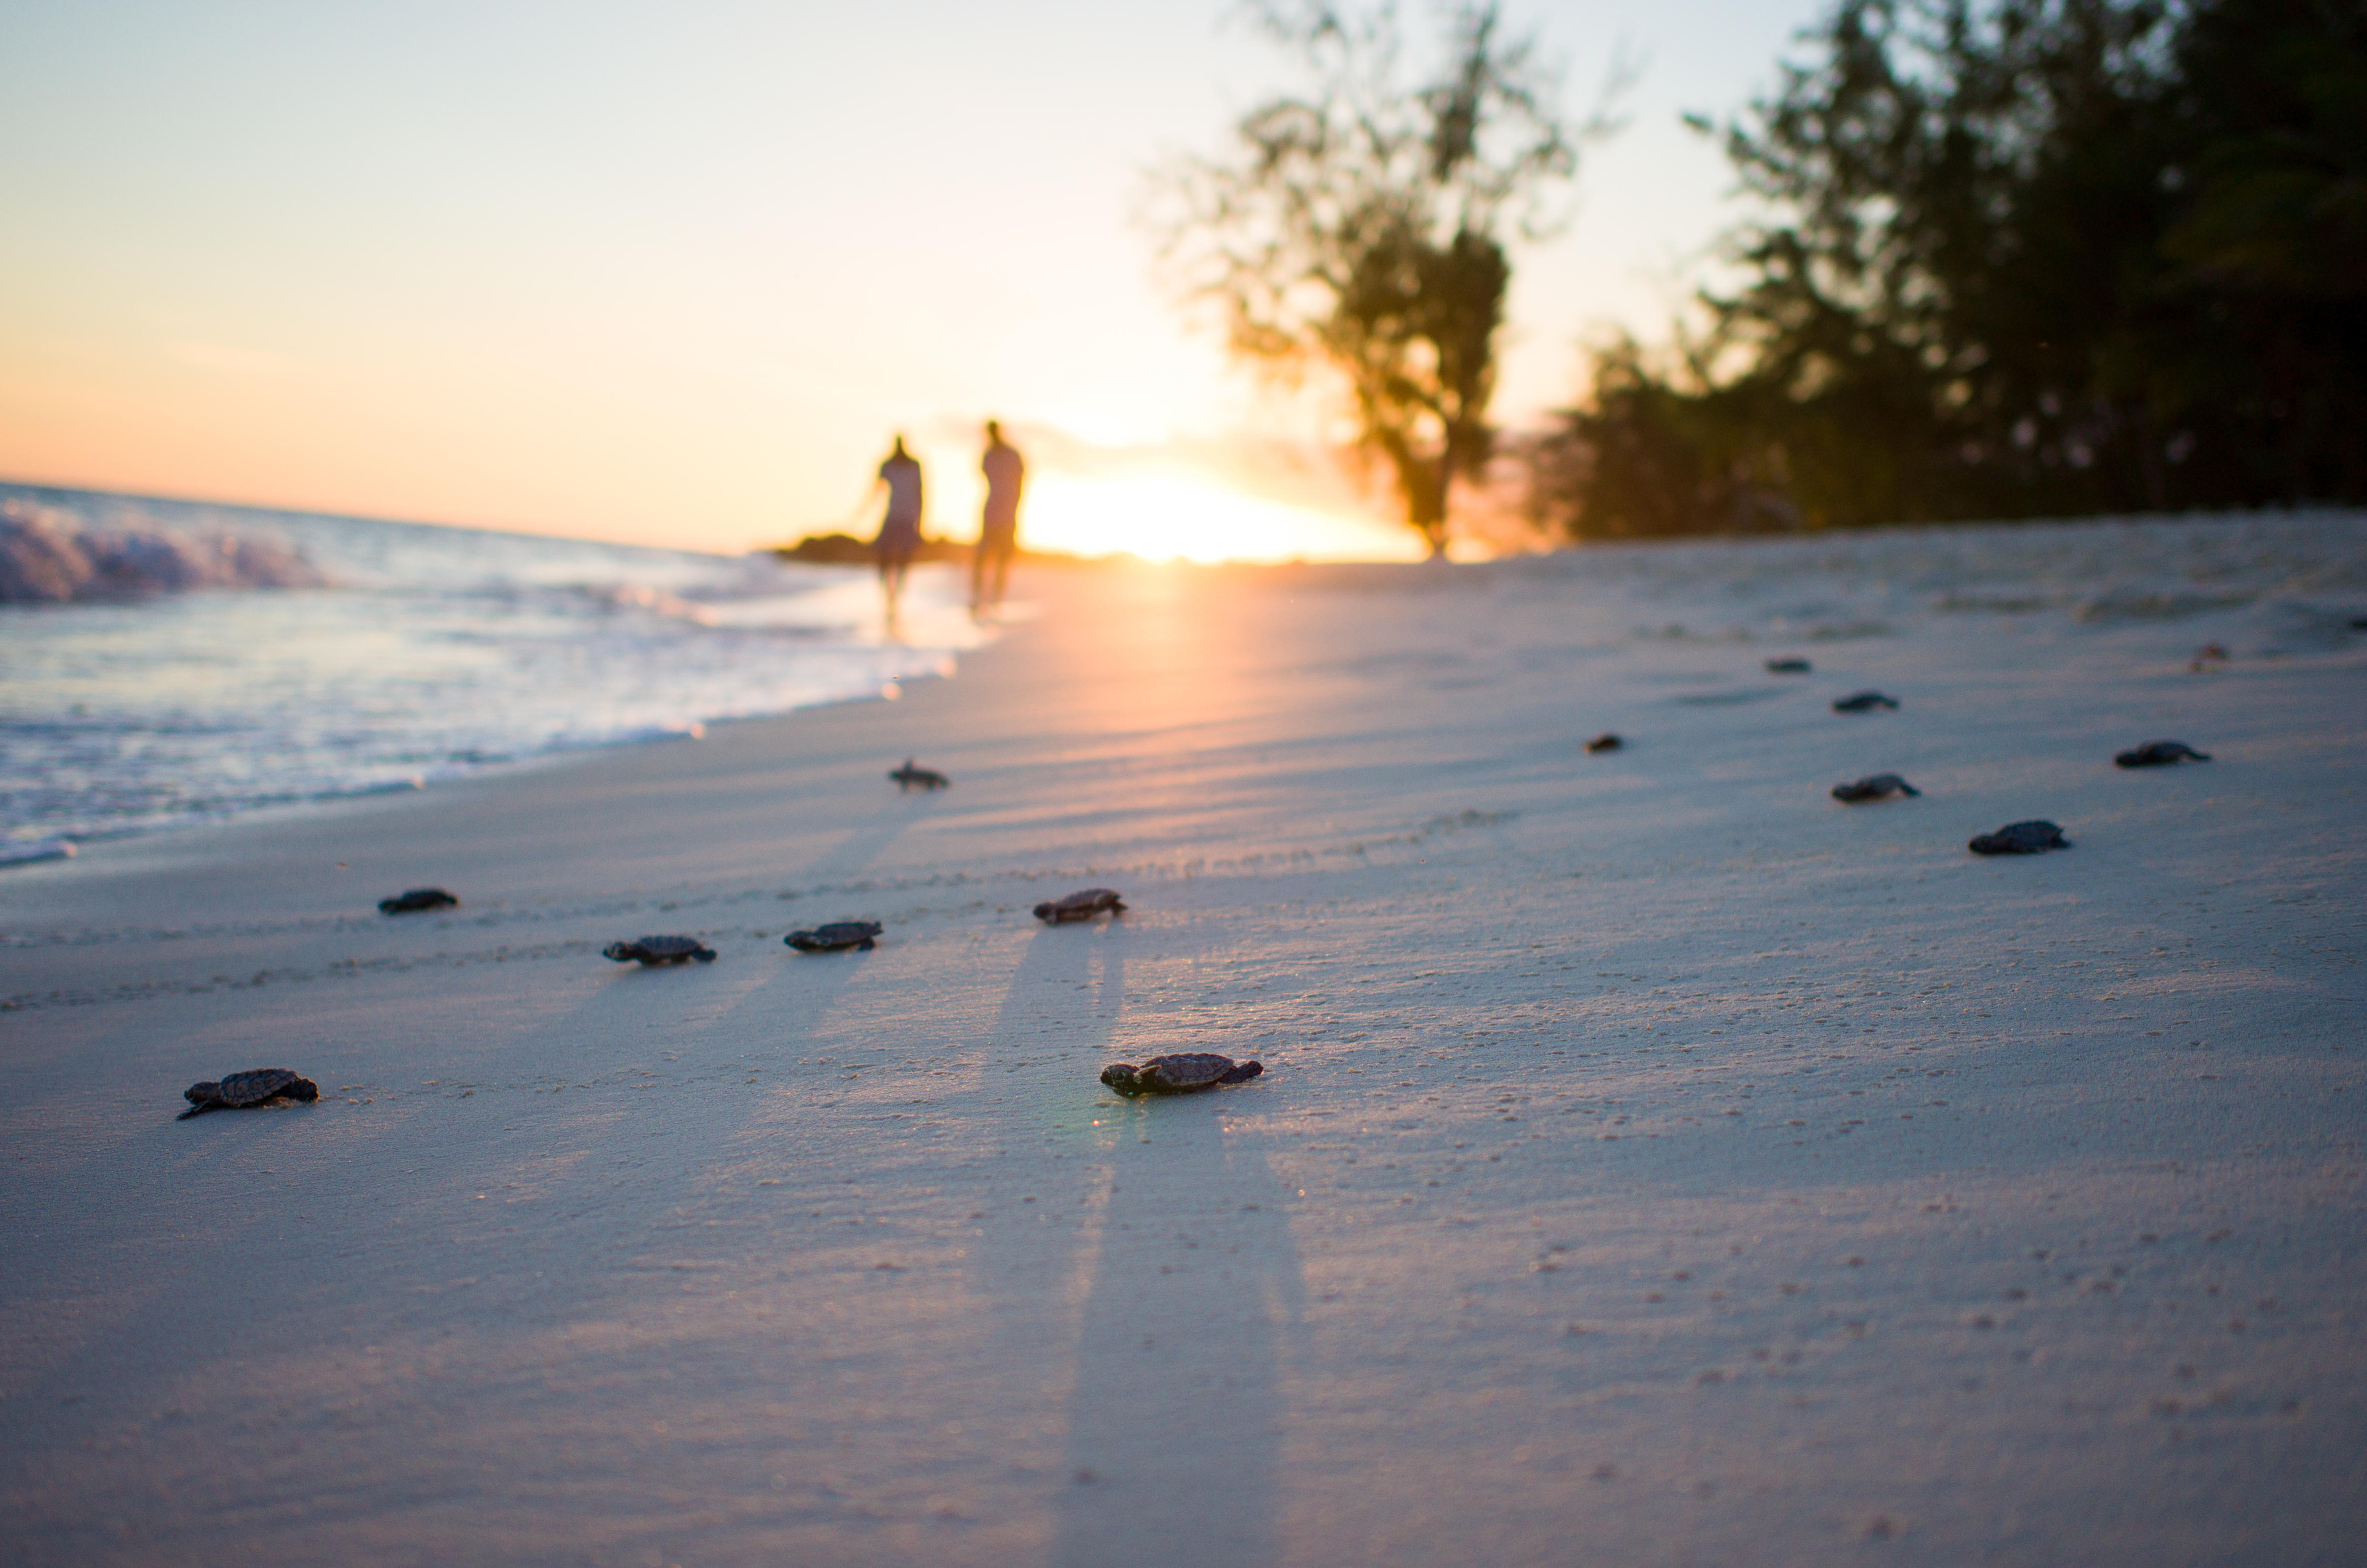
(2033, 257)
(1357, 228)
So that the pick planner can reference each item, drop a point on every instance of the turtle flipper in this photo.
(199, 1110)
(866, 944)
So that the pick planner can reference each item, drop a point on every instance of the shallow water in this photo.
(435, 651)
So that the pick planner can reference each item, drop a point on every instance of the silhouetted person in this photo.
(900, 531)
(997, 531)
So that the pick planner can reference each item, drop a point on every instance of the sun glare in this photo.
(1180, 517)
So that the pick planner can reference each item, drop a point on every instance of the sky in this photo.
(674, 274)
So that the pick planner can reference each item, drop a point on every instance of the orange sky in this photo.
(674, 276)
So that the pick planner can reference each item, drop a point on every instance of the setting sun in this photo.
(1170, 516)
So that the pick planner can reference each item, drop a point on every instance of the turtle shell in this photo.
(1874, 787)
(2159, 754)
(660, 949)
(1083, 904)
(1864, 702)
(1182, 1073)
(2020, 838)
(254, 1087)
(911, 776)
(1605, 742)
(838, 934)
(417, 899)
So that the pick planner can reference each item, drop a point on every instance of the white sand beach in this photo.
(1655, 1161)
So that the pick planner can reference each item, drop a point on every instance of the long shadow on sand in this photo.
(1176, 1412)
(1182, 1254)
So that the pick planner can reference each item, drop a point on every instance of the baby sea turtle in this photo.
(1874, 787)
(417, 899)
(913, 776)
(660, 949)
(2159, 754)
(1605, 742)
(1787, 666)
(1184, 1074)
(1081, 905)
(835, 936)
(2020, 838)
(237, 1091)
(1864, 702)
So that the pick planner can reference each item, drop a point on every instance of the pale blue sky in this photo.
(677, 271)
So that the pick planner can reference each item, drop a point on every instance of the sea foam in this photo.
(49, 555)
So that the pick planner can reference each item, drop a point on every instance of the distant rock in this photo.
(846, 550)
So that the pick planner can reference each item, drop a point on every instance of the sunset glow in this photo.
(1182, 518)
(678, 281)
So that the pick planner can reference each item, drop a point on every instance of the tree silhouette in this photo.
(2016, 258)
(1358, 230)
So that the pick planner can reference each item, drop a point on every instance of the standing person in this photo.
(900, 530)
(998, 532)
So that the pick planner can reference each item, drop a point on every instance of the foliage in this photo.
(1359, 229)
(2051, 257)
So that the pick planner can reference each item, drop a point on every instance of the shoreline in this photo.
(1572, 559)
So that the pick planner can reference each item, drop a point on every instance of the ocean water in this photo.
(429, 654)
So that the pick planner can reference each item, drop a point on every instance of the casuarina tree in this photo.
(2015, 259)
(1358, 229)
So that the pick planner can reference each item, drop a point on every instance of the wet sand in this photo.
(1656, 1160)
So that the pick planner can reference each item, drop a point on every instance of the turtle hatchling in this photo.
(417, 899)
(837, 936)
(2020, 838)
(238, 1091)
(1864, 702)
(1787, 666)
(660, 949)
(2159, 754)
(1874, 787)
(1605, 742)
(913, 776)
(1184, 1074)
(1082, 905)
